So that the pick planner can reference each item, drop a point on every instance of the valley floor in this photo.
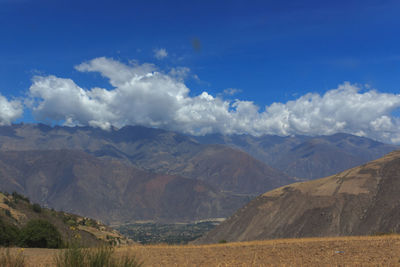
(337, 251)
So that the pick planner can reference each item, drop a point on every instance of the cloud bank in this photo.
(143, 95)
(9, 110)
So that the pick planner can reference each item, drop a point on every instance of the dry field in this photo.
(338, 251)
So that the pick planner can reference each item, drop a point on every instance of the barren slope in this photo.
(111, 191)
(360, 201)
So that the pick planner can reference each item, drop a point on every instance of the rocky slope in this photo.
(361, 201)
(109, 190)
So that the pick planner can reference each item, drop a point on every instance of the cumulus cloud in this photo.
(143, 95)
(160, 53)
(9, 110)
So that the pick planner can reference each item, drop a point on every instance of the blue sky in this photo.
(270, 51)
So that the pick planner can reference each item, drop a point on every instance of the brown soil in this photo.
(338, 251)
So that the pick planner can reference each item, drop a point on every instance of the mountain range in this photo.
(138, 173)
(153, 150)
(306, 157)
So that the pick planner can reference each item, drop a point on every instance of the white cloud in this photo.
(145, 96)
(232, 91)
(9, 110)
(160, 53)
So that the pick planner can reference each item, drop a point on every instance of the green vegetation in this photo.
(8, 213)
(9, 260)
(152, 233)
(9, 234)
(18, 197)
(36, 208)
(76, 256)
(37, 233)
(40, 234)
(74, 220)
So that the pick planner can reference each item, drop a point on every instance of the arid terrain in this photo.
(361, 201)
(335, 251)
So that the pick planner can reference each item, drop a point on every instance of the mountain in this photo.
(364, 200)
(109, 190)
(304, 156)
(16, 211)
(155, 150)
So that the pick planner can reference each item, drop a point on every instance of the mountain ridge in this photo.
(360, 201)
(306, 157)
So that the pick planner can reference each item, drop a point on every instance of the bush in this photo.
(40, 234)
(17, 197)
(98, 257)
(8, 213)
(8, 260)
(36, 208)
(9, 234)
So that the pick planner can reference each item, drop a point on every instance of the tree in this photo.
(8, 234)
(40, 234)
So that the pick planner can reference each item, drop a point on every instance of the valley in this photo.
(172, 234)
(159, 187)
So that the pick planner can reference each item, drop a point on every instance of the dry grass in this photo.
(338, 251)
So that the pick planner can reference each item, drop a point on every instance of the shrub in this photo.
(17, 197)
(9, 234)
(40, 234)
(36, 208)
(8, 260)
(8, 213)
(223, 241)
(98, 257)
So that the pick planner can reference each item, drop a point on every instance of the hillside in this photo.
(304, 156)
(111, 191)
(16, 210)
(360, 201)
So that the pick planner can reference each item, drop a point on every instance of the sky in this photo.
(199, 67)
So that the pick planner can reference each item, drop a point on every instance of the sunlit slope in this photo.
(360, 201)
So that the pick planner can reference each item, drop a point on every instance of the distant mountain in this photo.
(361, 201)
(109, 190)
(139, 173)
(303, 156)
(154, 150)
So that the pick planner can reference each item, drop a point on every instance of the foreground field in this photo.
(340, 251)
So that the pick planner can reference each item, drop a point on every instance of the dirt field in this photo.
(341, 251)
